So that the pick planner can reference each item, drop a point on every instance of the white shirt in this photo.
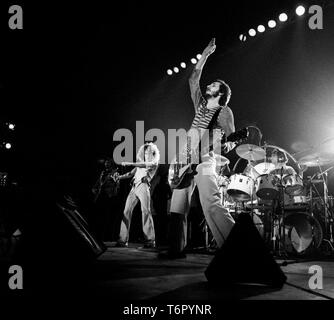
(144, 172)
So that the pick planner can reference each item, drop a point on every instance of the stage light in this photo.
(11, 126)
(176, 69)
(252, 32)
(169, 72)
(183, 65)
(242, 37)
(193, 61)
(8, 145)
(300, 10)
(261, 28)
(283, 17)
(272, 24)
(199, 56)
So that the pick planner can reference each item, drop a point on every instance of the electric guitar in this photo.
(180, 174)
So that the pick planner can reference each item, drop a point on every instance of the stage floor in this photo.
(137, 274)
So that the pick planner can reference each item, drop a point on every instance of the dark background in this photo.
(77, 73)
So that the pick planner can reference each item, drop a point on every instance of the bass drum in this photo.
(303, 233)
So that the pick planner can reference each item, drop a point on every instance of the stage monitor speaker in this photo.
(244, 259)
(85, 242)
(58, 233)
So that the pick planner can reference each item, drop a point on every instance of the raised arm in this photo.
(194, 79)
(141, 164)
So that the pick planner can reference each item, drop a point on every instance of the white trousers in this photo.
(140, 193)
(217, 217)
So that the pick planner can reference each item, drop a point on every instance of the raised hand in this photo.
(210, 48)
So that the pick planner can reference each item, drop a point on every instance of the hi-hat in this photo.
(250, 152)
(221, 161)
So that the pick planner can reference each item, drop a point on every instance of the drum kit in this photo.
(294, 215)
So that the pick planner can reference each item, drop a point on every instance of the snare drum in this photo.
(241, 187)
(293, 184)
(266, 187)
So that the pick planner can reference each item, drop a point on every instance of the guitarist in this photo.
(105, 192)
(148, 158)
(211, 112)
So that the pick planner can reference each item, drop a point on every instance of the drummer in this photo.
(279, 160)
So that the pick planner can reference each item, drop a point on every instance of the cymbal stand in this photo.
(281, 222)
(252, 198)
(327, 210)
(312, 186)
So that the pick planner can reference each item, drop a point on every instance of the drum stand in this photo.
(328, 214)
(279, 248)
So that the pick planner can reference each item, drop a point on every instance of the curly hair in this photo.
(226, 91)
(153, 148)
(281, 156)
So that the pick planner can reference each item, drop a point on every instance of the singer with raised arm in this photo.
(148, 158)
(211, 113)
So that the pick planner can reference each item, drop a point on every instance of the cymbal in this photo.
(264, 167)
(316, 159)
(327, 146)
(250, 152)
(221, 161)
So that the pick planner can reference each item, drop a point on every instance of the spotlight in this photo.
(169, 72)
(242, 37)
(193, 61)
(261, 28)
(8, 145)
(283, 17)
(300, 10)
(183, 65)
(11, 126)
(176, 69)
(272, 24)
(198, 56)
(252, 32)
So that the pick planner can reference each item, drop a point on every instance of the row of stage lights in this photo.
(183, 65)
(283, 17)
(5, 144)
